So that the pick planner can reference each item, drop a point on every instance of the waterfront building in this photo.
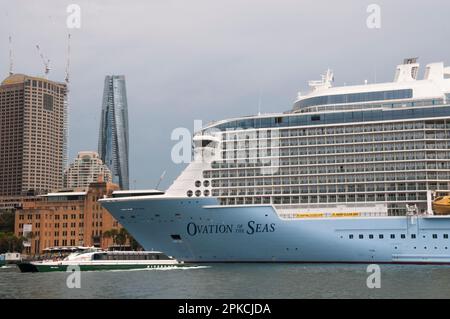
(86, 169)
(113, 139)
(31, 135)
(67, 218)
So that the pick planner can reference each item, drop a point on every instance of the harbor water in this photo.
(280, 281)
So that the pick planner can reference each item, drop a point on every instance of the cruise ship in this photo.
(348, 175)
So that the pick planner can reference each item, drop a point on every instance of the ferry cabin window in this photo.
(361, 236)
(370, 236)
(402, 236)
(381, 236)
(445, 236)
(100, 257)
(350, 236)
(392, 236)
(434, 236)
(413, 236)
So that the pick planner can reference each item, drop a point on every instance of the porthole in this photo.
(206, 183)
(189, 193)
(198, 193)
(198, 183)
(206, 192)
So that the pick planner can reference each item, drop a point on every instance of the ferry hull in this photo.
(30, 267)
(200, 230)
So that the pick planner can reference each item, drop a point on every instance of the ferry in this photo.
(10, 258)
(350, 174)
(103, 260)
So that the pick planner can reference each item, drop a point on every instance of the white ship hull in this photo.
(198, 230)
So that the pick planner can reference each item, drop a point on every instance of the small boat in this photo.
(441, 205)
(9, 258)
(103, 260)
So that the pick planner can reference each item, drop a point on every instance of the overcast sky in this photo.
(209, 59)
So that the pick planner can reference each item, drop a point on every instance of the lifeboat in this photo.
(441, 205)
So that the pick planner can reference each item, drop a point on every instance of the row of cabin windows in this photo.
(392, 236)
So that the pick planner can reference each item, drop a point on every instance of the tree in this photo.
(111, 234)
(10, 243)
(120, 237)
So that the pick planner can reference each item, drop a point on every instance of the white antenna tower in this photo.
(45, 61)
(10, 56)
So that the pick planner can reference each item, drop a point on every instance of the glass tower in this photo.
(113, 136)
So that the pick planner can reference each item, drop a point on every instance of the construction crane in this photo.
(66, 78)
(10, 56)
(66, 108)
(44, 60)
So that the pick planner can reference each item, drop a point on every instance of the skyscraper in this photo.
(31, 135)
(86, 169)
(113, 137)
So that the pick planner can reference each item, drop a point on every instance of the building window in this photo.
(48, 102)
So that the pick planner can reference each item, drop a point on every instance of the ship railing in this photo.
(300, 215)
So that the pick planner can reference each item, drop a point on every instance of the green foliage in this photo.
(119, 237)
(7, 221)
(10, 243)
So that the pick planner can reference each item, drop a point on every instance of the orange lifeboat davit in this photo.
(441, 205)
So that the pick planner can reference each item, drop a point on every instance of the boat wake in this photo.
(156, 269)
(7, 267)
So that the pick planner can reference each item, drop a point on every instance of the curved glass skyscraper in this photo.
(113, 137)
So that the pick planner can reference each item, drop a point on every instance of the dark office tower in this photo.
(113, 137)
(31, 135)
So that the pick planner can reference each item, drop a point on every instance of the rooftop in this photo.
(19, 78)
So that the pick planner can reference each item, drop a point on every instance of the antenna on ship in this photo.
(160, 179)
(10, 56)
(259, 102)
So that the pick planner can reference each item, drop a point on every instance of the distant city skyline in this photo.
(113, 141)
